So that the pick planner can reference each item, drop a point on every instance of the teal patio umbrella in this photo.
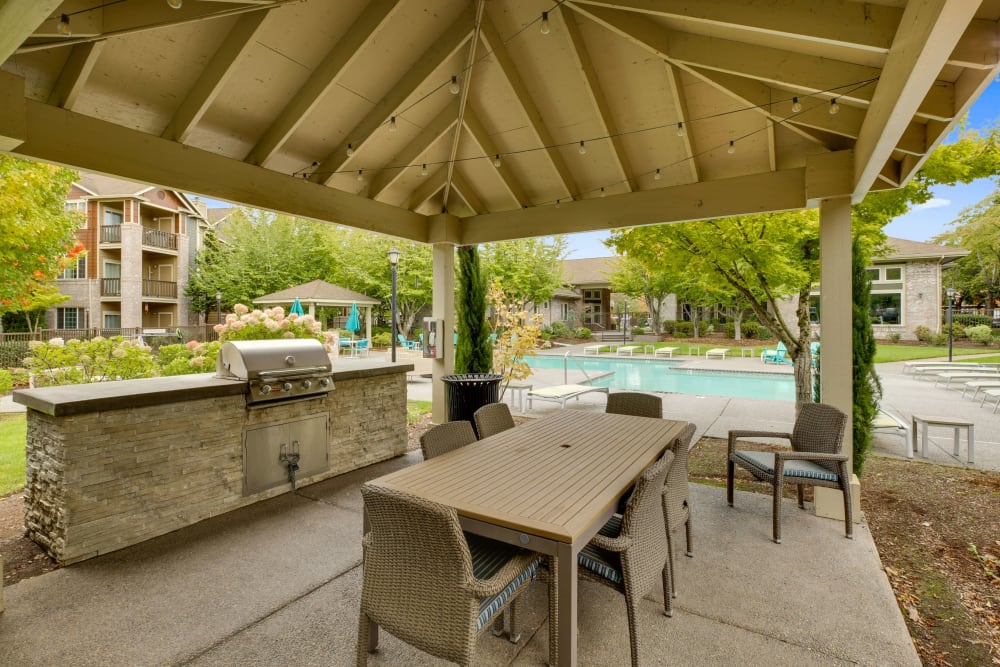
(353, 321)
(296, 308)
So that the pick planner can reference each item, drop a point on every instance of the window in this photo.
(78, 270)
(112, 217)
(69, 318)
(564, 312)
(887, 295)
(112, 270)
(893, 273)
(112, 320)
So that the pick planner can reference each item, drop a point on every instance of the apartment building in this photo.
(140, 241)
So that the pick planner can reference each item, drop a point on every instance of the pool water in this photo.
(650, 375)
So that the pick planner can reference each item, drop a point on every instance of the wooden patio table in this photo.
(548, 485)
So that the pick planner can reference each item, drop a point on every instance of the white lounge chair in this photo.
(947, 378)
(561, 393)
(920, 367)
(980, 385)
(992, 394)
(627, 349)
(592, 349)
(886, 422)
(665, 352)
(719, 352)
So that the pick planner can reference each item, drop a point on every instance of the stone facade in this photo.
(100, 481)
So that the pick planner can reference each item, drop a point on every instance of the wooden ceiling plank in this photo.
(410, 154)
(495, 44)
(325, 75)
(677, 90)
(979, 47)
(63, 137)
(592, 85)
(19, 19)
(214, 76)
(757, 193)
(479, 135)
(442, 49)
(74, 74)
(869, 27)
(468, 194)
(930, 30)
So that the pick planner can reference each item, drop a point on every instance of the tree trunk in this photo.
(738, 324)
(803, 378)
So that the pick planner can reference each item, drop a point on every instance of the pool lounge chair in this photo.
(945, 379)
(994, 395)
(980, 385)
(719, 352)
(886, 422)
(665, 352)
(627, 349)
(561, 393)
(592, 349)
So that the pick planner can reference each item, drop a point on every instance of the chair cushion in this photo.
(764, 462)
(488, 556)
(605, 563)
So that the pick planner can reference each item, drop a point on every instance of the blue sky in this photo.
(920, 224)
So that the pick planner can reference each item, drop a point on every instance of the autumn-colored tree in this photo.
(516, 336)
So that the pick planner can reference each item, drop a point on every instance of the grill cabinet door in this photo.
(263, 446)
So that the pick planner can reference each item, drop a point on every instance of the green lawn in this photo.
(12, 439)
(415, 409)
(886, 353)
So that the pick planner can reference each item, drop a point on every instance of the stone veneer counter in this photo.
(115, 463)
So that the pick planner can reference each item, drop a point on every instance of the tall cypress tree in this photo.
(473, 353)
(867, 388)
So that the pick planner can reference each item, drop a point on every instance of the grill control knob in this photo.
(265, 389)
(324, 382)
(286, 386)
(306, 384)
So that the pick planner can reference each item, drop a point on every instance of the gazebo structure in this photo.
(320, 293)
(483, 121)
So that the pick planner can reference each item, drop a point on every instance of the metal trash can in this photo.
(469, 392)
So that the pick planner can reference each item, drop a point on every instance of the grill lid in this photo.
(272, 359)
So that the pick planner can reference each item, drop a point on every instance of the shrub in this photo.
(187, 358)
(668, 326)
(638, 331)
(957, 330)
(559, 329)
(939, 339)
(684, 329)
(924, 335)
(972, 320)
(382, 339)
(6, 382)
(272, 323)
(582, 332)
(982, 334)
(12, 353)
(100, 359)
(894, 337)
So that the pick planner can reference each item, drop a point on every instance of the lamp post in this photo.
(393, 262)
(624, 320)
(950, 292)
(218, 306)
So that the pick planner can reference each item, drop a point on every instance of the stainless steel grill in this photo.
(277, 370)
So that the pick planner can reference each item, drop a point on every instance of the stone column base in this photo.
(829, 503)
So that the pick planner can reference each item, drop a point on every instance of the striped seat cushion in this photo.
(488, 556)
(605, 563)
(764, 462)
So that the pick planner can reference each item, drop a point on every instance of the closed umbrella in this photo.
(353, 321)
(296, 308)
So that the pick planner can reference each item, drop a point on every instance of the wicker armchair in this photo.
(493, 418)
(677, 508)
(630, 552)
(816, 459)
(443, 438)
(430, 585)
(635, 404)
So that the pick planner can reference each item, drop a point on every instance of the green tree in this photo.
(473, 353)
(527, 270)
(642, 281)
(865, 382)
(977, 229)
(37, 233)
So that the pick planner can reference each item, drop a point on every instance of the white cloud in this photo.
(934, 202)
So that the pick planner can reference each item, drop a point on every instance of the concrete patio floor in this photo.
(278, 583)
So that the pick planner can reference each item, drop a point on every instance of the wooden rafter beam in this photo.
(74, 74)
(344, 52)
(443, 48)
(432, 184)
(467, 193)
(215, 74)
(20, 18)
(677, 92)
(535, 121)
(411, 153)
(480, 136)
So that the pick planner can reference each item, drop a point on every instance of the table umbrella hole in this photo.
(565, 446)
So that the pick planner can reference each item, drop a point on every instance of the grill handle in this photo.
(293, 371)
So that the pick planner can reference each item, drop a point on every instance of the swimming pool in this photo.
(649, 375)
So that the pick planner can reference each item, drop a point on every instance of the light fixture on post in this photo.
(218, 306)
(393, 262)
(624, 320)
(950, 294)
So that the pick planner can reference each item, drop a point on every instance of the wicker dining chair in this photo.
(630, 552)
(677, 507)
(816, 459)
(635, 403)
(492, 419)
(429, 584)
(443, 438)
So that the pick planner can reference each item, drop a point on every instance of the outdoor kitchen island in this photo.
(115, 463)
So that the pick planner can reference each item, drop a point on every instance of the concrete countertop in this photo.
(122, 394)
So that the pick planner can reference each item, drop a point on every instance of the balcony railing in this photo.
(159, 289)
(111, 286)
(158, 239)
(111, 233)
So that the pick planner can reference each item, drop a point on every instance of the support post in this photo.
(443, 253)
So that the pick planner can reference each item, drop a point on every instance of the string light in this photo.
(680, 129)
(423, 170)
(392, 123)
(496, 161)
(545, 27)
(361, 175)
(602, 192)
(732, 147)
(796, 105)
(834, 107)
(657, 176)
(583, 149)
(63, 26)
(175, 4)
(455, 88)
(350, 150)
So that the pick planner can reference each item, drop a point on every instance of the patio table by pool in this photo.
(548, 486)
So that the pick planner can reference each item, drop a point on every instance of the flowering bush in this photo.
(246, 324)
(190, 357)
(97, 360)
(517, 336)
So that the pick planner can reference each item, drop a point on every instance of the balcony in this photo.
(111, 233)
(111, 286)
(159, 289)
(157, 239)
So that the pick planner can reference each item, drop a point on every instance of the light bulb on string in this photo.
(796, 105)
(834, 107)
(423, 170)
(455, 88)
(583, 148)
(657, 176)
(732, 147)
(545, 27)
(496, 161)
(392, 123)
(680, 129)
(361, 175)
(63, 26)
(350, 150)
(602, 192)
(175, 4)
